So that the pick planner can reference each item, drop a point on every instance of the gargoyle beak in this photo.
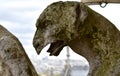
(54, 49)
(38, 47)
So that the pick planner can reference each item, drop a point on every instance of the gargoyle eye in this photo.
(44, 24)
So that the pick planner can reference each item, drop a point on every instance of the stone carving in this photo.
(13, 59)
(88, 33)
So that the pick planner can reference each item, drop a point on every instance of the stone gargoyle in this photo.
(13, 59)
(85, 31)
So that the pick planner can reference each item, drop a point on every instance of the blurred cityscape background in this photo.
(61, 67)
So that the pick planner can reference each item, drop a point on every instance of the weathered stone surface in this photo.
(4, 69)
(13, 59)
(88, 33)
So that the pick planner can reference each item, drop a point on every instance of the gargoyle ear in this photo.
(81, 12)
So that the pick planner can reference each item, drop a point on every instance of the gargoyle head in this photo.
(57, 25)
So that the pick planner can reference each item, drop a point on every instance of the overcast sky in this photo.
(19, 17)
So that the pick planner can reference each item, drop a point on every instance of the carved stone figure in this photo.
(86, 32)
(13, 59)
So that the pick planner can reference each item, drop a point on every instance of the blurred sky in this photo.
(19, 17)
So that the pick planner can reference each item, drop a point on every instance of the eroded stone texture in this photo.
(88, 33)
(4, 69)
(13, 59)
